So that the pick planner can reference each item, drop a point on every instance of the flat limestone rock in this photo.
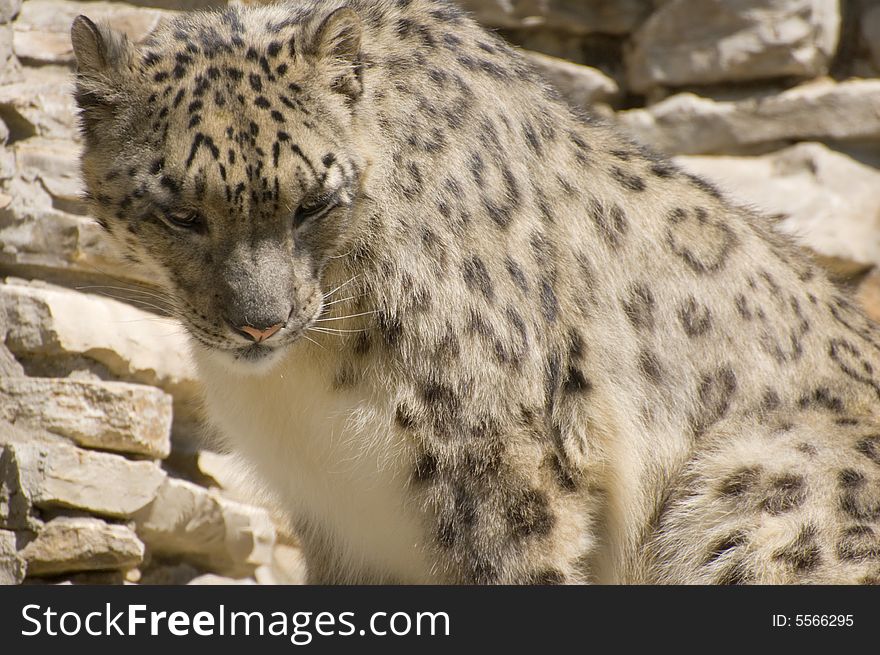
(115, 416)
(41, 105)
(17, 513)
(9, 68)
(581, 86)
(870, 23)
(572, 16)
(61, 475)
(9, 366)
(55, 163)
(9, 9)
(223, 470)
(12, 566)
(67, 545)
(51, 322)
(689, 125)
(692, 42)
(42, 30)
(48, 243)
(199, 525)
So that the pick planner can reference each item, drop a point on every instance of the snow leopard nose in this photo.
(258, 335)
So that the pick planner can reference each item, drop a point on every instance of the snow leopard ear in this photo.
(103, 71)
(338, 40)
(99, 51)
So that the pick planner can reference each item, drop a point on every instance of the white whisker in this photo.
(349, 281)
(328, 304)
(327, 330)
(307, 338)
(339, 318)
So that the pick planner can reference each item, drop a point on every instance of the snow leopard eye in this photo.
(315, 207)
(187, 220)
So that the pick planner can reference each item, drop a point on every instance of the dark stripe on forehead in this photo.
(299, 153)
(199, 140)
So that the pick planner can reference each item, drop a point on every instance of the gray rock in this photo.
(39, 241)
(168, 573)
(42, 29)
(825, 199)
(67, 545)
(16, 511)
(8, 10)
(12, 566)
(581, 86)
(870, 23)
(687, 124)
(9, 366)
(115, 416)
(8, 60)
(221, 470)
(27, 198)
(89, 578)
(15, 507)
(60, 475)
(574, 16)
(40, 105)
(188, 521)
(691, 42)
(50, 322)
(55, 163)
(7, 167)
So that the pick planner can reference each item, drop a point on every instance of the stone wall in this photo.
(105, 472)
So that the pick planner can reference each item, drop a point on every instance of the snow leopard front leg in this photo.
(500, 506)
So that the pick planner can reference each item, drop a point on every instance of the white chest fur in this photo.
(331, 456)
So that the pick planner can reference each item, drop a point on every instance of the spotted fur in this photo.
(508, 345)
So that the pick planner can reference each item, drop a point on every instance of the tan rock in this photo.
(870, 22)
(8, 61)
(68, 544)
(581, 86)
(190, 522)
(221, 469)
(16, 511)
(45, 243)
(115, 416)
(12, 566)
(60, 475)
(687, 124)
(50, 322)
(825, 199)
(42, 29)
(9, 9)
(169, 573)
(40, 105)
(55, 163)
(9, 366)
(574, 16)
(691, 42)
